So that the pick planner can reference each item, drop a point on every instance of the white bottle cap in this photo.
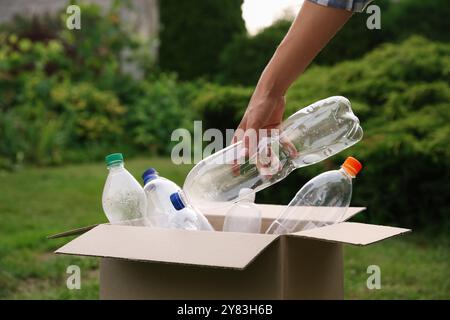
(247, 194)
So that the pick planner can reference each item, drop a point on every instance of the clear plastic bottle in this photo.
(123, 198)
(180, 216)
(157, 190)
(331, 189)
(316, 132)
(165, 207)
(243, 216)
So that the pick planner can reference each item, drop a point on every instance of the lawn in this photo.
(36, 202)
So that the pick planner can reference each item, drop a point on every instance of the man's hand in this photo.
(262, 119)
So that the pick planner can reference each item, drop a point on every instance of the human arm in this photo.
(312, 29)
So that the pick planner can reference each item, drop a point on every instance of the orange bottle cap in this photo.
(352, 166)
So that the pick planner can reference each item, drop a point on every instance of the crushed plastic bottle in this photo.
(331, 189)
(123, 198)
(243, 216)
(316, 132)
(166, 208)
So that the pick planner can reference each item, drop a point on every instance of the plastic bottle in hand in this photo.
(243, 216)
(309, 136)
(165, 210)
(331, 189)
(123, 199)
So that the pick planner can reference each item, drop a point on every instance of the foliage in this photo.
(426, 18)
(221, 107)
(193, 36)
(65, 95)
(156, 113)
(244, 58)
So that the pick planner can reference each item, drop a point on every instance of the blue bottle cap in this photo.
(149, 175)
(176, 201)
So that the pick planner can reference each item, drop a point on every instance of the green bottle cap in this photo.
(113, 158)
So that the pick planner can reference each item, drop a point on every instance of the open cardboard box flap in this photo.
(213, 249)
(359, 234)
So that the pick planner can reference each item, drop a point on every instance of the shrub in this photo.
(64, 94)
(244, 58)
(193, 36)
(156, 113)
(221, 107)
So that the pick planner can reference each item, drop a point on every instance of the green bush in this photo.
(401, 94)
(44, 114)
(426, 18)
(193, 36)
(221, 107)
(156, 113)
(64, 94)
(244, 58)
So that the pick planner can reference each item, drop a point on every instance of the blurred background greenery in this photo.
(67, 99)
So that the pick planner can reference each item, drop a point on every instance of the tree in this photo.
(243, 60)
(193, 34)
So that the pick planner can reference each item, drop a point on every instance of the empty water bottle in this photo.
(315, 133)
(166, 208)
(180, 216)
(243, 216)
(123, 198)
(158, 190)
(331, 190)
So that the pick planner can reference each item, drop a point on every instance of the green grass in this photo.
(36, 202)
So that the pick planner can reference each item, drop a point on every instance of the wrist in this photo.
(268, 90)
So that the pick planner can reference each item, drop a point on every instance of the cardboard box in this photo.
(155, 263)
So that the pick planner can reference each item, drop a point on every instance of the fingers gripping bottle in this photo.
(310, 135)
(331, 189)
(166, 208)
(244, 216)
(123, 198)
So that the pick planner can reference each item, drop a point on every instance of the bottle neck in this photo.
(347, 173)
(115, 167)
(150, 177)
(177, 201)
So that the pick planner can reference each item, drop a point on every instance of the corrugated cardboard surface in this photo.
(215, 249)
(312, 269)
(290, 268)
(120, 279)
